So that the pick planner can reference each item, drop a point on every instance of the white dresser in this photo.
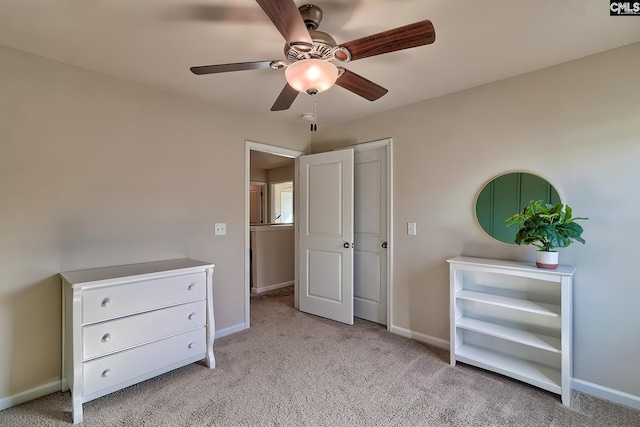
(129, 323)
(513, 318)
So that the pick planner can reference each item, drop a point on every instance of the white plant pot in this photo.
(548, 260)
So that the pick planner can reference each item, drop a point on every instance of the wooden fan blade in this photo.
(285, 99)
(360, 86)
(412, 35)
(224, 68)
(287, 19)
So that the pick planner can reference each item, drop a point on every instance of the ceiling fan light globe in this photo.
(311, 75)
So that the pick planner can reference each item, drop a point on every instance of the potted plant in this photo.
(547, 227)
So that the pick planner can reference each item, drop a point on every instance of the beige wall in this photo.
(578, 125)
(272, 256)
(95, 171)
(258, 175)
(284, 173)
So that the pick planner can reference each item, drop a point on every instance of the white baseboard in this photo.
(427, 339)
(615, 396)
(231, 330)
(34, 393)
(271, 287)
(602, 392)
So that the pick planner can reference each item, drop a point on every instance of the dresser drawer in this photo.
(108, 337)
(126, 365)
(135, 297)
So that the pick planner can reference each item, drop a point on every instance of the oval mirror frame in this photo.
(507, 194)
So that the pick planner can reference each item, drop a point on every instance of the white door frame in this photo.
(271, 149)
(374, 145)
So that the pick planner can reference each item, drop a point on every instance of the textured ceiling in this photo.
(154, 42)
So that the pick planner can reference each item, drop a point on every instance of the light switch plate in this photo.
(411, 228)
(220, 228)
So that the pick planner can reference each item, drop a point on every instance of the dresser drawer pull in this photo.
(106, 373)
(192, 316)
(191, 344)
(105, 302)
(106, 338)
(192, 286)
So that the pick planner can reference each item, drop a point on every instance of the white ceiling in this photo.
(154, 42)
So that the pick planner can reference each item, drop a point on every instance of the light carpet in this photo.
(294, 369)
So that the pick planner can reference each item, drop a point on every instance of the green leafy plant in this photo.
(546, 226)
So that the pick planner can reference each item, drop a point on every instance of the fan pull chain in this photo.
(314, 125)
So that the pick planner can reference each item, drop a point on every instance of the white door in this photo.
(255, 204)
(370, 234)
(325, 235)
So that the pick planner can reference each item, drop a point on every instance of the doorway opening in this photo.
(269, 219)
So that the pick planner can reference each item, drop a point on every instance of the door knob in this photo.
(346, 245)
(384, 245)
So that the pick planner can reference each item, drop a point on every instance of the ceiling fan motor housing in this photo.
(323, 47)
(312, 15)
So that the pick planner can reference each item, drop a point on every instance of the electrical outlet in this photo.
(411, 228)
(220, 228)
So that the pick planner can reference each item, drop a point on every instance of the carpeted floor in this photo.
(293, 369)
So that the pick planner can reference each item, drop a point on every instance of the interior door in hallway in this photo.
(255, 203)
(325, 235)
(370, 234)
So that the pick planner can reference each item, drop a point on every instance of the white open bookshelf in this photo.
(514, 319)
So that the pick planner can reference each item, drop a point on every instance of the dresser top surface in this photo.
(146, 268)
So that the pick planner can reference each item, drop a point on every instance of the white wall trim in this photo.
(427, 339)
(31, 394)
(615, 396)
(369, 145)
(390, 238)
(273, 227)
(231, 330)
(272, 287)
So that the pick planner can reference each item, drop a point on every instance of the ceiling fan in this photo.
(310, 53)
